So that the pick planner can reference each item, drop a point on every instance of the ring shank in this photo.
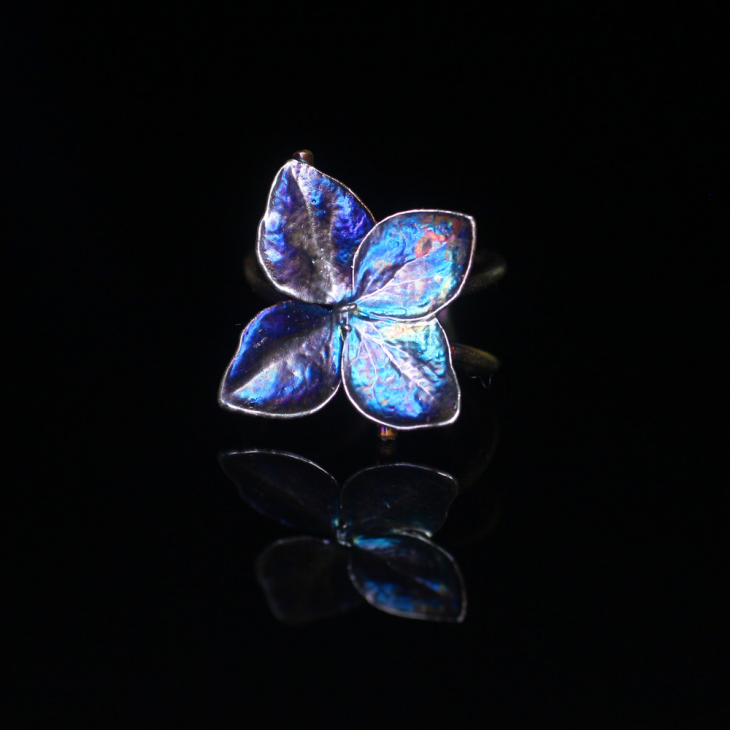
(473, 361)
(488, 268)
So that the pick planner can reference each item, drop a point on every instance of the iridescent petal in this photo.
(287, 364)
(395, 498)
(400, 373)
(285, 487)
(413, 264)
(305, 579)
(308, 236)
(408, 576)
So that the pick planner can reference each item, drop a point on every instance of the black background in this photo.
(143, 145)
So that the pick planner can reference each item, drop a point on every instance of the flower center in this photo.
(342, 313)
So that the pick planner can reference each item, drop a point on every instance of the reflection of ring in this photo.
(375, 538)
(365, 298)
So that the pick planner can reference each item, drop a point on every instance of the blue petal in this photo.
(308, 236)
(395, 498)
(400, 373)
(413, 264)
(408, 576)
(286, 488)
(306, 579)
(287, 364)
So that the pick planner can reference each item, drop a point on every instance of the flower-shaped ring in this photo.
(363, 310)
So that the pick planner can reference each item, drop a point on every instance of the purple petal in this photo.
(400, 373)
(308, 236)
(287, 364)
(413, 264)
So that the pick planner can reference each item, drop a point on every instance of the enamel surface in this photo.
(287, 363)
(413, 263)
(400, 373)
(309, 233)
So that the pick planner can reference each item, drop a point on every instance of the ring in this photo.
(361, 305)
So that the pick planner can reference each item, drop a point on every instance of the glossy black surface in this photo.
(141, 146)
(375, 531)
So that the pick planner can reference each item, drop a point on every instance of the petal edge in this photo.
(400, 374)
(408, 576)
(413, 263)
(287, 363)
(309, 234)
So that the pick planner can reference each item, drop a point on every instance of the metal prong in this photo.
(304, 156)
(387, 433)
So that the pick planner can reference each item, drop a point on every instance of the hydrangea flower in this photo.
(364, 300)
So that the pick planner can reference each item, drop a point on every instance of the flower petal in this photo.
(400, 373)
(285, 487)
(395, 498)
(408, 576)
(308, 236)
(287, 364)
(413, 264)
(306, 579)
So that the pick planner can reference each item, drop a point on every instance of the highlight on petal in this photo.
(287, 363)
(309, 234)
(285, 487)
(395, 498)
(409, 576)
(413, 264)
(400, 373)
(306, 579)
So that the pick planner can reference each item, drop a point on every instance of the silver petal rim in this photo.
(421, 425)
(473, 223)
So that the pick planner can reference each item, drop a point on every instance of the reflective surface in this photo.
(396, 497)
(408, 576)
(305, 579)
(378, 528)
(304, 497)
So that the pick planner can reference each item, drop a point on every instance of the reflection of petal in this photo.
(400, 373)
(408, 576)
(305, 579)
(286, 488)
(287, 362)
(308, 236)
(395, 498)
(413, 263)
